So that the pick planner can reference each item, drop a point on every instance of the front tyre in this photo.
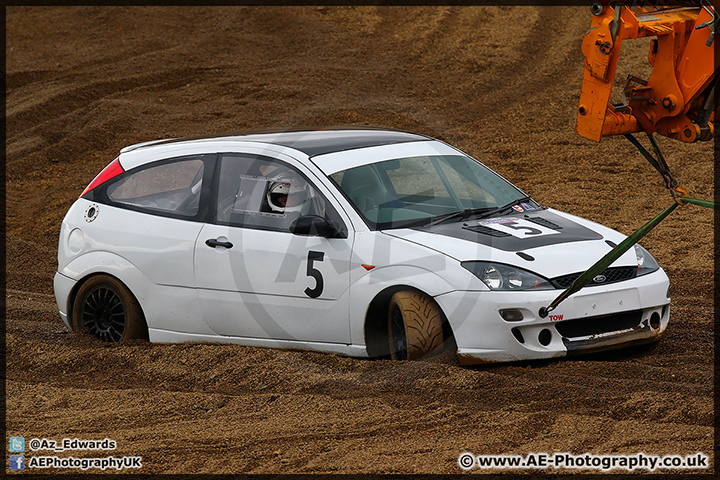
(105, 308)
(414, 325)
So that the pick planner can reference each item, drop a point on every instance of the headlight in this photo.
(646, 262)
(498, 276)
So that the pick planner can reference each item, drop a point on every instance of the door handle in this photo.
(214, 242)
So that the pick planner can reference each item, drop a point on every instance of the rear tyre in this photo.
(105, 308)
(414, 325)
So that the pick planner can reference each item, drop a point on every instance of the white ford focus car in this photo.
(362, 242)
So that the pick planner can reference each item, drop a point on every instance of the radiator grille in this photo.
(611, 275)
(582, 327)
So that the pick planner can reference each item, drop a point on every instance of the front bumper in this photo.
(594, 319)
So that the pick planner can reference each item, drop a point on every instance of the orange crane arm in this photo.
(678, 100)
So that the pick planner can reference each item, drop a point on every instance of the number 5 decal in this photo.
(314, 273)
(518, 227)
(530, 230)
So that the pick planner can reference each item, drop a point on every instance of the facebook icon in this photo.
(17, 462)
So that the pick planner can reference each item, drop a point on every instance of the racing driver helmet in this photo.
(285, 196)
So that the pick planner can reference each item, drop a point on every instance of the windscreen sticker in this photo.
(517, 227)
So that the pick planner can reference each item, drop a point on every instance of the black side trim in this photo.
(525, 256)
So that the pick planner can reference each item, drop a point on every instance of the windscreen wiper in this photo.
(497, 210)
(469, 212)
(461, 215)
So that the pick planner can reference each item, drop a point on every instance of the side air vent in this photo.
(543, 222)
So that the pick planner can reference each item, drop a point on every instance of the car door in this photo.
(151, 216)
(254, 277)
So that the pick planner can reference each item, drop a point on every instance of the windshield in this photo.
(415, 191)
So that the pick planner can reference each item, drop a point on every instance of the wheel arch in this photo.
(376, 321)
(76, 288)
(91, 264)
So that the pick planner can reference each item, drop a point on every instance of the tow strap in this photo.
(679, 196)
(659, 164)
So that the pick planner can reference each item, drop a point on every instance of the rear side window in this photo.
(171, 187)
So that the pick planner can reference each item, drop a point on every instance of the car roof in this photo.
(310, 142)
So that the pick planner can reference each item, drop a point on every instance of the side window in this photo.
(260, 192)
(172, 187)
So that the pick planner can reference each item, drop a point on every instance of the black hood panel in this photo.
(513, 233)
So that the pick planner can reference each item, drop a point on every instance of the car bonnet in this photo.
(548, 242)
